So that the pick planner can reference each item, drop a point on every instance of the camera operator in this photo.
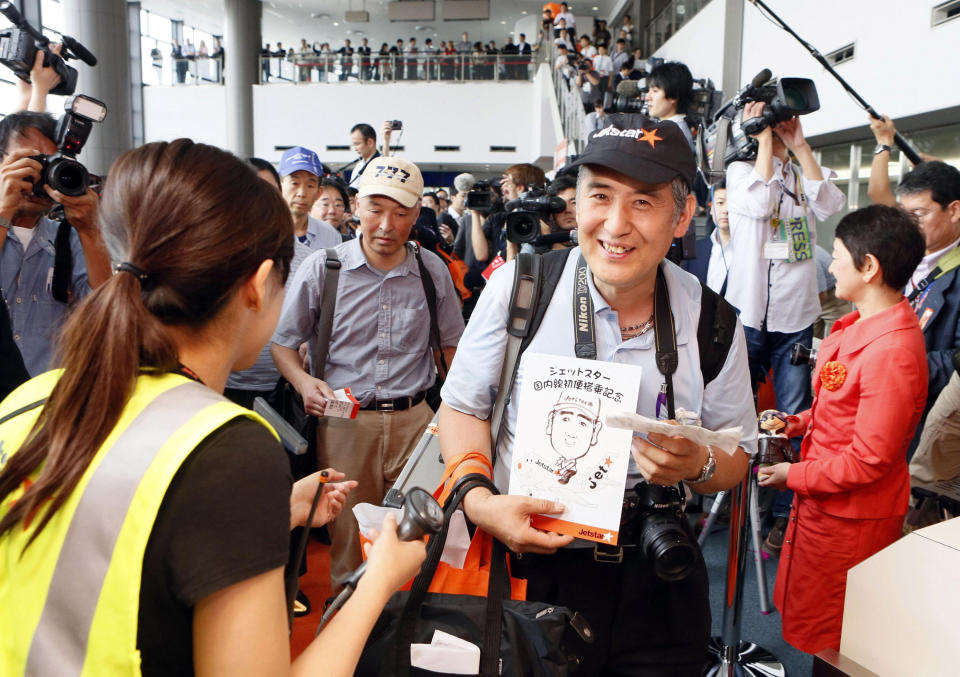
(669, 89)
(591, 85)
(494, 246)
(594, 120)
(778, 298)
(556, 225)
(29, 270)
(642, 624)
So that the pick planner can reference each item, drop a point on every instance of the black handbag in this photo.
(516, 638)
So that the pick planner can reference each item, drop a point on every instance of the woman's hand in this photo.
(331, 501)
(774, 476)
(390, 561)
(795, 426)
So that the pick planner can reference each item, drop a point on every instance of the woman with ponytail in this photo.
(143, 517)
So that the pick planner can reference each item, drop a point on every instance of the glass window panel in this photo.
(9, 97)
(160, 28)
(51, 13)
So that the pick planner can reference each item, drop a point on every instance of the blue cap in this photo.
(299, 158)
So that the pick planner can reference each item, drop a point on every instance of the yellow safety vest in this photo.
(69, 604)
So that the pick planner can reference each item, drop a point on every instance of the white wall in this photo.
(902, 66)
(699, 43)
(194, 112)
(473, 116)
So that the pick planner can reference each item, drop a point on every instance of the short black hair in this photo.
(333, 182)
(563, 181)
(433, 195)
(523, 35)
(261, 165)
(890, 234)
(351, 191)
(941, 179)
(15, 125)
(366, 130)
(676, 81)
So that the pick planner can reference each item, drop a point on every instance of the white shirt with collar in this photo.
(927, 264)
(774, 294)
(719, 263)
(603, 64)
(471, 384)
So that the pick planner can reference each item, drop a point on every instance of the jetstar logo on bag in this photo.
(638, 134)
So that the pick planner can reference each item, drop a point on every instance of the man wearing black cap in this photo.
(633, 198)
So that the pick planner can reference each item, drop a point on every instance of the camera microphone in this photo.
(628, 88)
(759, 80)
(82, 52)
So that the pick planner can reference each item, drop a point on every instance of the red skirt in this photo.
(818, 550)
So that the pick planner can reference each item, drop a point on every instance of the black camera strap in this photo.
(665, 334)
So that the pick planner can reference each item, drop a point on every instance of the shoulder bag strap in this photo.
(328, 304)
(430, 291)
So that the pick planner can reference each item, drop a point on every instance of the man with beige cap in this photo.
(379, 346)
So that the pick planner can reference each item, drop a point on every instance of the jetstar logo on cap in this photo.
(638, 134)
(386, 171)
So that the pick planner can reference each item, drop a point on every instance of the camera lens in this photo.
(68, 176)
(667, 546)
(522, 227)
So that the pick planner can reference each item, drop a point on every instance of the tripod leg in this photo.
(757, 552)
(712, 517)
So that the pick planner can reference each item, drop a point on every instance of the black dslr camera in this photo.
(526, 212)
(662, 538)
(19, 45)
(62, 171)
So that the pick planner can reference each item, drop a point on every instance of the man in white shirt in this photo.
(569, 23)
(594, 121)
(602, 62)
(669, 89)
(774, 206)
(363, 139)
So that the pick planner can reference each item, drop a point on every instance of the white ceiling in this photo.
(323, 20)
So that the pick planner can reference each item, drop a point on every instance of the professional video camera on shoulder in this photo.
(727, 140)
(19, 45)
(62, 171)
(527, 211)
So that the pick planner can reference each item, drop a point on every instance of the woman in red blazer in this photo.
(870, 385)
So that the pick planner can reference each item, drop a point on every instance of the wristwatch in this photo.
(708, 469)
(882, 147)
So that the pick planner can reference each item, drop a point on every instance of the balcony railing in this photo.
(396, 68)
(200, 70)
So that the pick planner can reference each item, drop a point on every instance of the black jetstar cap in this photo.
(635, 145)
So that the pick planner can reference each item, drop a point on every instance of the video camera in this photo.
(18, 51)
(727, 139)
(62, 171)
(484, 196)
(526, 212)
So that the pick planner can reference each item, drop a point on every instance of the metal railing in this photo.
(670, 19)
(199, 70)
(320, 68)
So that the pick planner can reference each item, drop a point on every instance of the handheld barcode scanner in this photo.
(422, 515)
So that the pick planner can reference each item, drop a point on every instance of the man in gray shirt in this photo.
(379, 346)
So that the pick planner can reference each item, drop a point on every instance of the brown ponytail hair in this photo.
(199, 222)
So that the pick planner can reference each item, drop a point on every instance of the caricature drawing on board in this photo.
(573, 426)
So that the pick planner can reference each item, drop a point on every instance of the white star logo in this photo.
(608, 537)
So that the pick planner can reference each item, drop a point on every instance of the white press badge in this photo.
(790, 240)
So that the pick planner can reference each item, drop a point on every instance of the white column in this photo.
(101, 25)
(241, 42)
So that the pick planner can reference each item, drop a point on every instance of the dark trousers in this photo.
(643, 626)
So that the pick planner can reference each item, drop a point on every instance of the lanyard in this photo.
(585, 341)
(798, 178)
(947, 262)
